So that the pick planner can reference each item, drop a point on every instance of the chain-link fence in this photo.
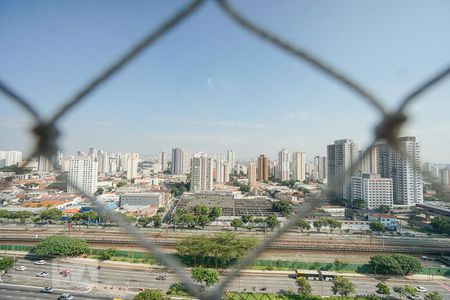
(46, 130)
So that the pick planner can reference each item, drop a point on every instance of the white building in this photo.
(231, 159)
(341, 156)
(445, 177)
(201, 173)
(298, 166)
(163, 160)
(406, 178)
(83, 173)
(103, 162)
(12, 157)
(181, 160)
(283, 165)
(44, 164)
(320, 167)
(131, 163)
(373, 189)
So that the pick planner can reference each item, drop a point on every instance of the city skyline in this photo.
(212, 97)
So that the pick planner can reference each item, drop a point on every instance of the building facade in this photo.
(283, 163)
(201, 173)
(298, 166)
(83, 173)
(263, 168)
(373, 190)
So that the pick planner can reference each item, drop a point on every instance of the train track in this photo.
(280, 245)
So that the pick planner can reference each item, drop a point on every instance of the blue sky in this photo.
(209, 85)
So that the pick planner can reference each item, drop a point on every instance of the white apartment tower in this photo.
(374, 190)
(231, 159)
(201, 173)
(131, 165)
(44, 163)
(180, 161)
(320, 167)
(298, 166)
(405, 173)
(341, 156)
(12, 158)
(186, 162)
(283, 165)
(163, 160)
(103, 162)
(83, 173)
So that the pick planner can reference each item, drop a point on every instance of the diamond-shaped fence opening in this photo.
(46, 131)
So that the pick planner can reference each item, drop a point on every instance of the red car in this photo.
(65, 272)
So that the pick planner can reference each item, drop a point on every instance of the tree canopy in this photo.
(342, 286)
(218, 250)
(150, 294)
(60, 246)
(395, 264)
(283, 206)
(206, 277)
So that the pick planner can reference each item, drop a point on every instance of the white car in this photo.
(421, 289)
(42, 274)
(21, 268)
(40, 262)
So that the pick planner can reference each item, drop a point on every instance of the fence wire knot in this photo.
(47, 135)
(389, 127)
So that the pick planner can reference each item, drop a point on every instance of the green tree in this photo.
(339, 264)
(434, 295)
(51, 214)
(202, 220)
(333, 224)
(410, 290)
(383, 289)
(121, 184)
(151, 294)
(342, 286)
(244, 188)
(302, 225)
(4, 213)
(441, 225)
(401, 291)
(384, 209)
(272, 222)
(247, 219)
(143, 221)
(215, 213)
(318, 224)
(90, 215)
(107, 254)
(60, 246)
(236, 223)
(6, 263)
(205, 276)
(283, 206)
(201, 210)
(304, 288)
(99, 191)
(218, 250)
(409, 264)
(161, 210)
(157, 221)
(377, 226)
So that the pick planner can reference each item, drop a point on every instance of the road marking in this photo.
(444, 285)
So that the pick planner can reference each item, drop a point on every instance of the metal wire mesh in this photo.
(46, 130)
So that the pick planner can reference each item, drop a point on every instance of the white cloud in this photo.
(303, 115)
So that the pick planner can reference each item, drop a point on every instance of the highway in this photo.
(8, 292)
(112, 281)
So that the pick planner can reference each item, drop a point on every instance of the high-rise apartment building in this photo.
(283, 163)
(12, 158)
(298, 166)
(445, 177)
(231, 159)
(181, 161)
(163, 160)
(201, 173)
(44, 163)
(341, 156)
(320, 167)
(369, 163)
(405, 172)
(373, 190)
(103, 162)
(131, 160)
(263, 168)
(251, 173)
(83, 173)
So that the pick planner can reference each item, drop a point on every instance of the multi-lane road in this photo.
(88, 282)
